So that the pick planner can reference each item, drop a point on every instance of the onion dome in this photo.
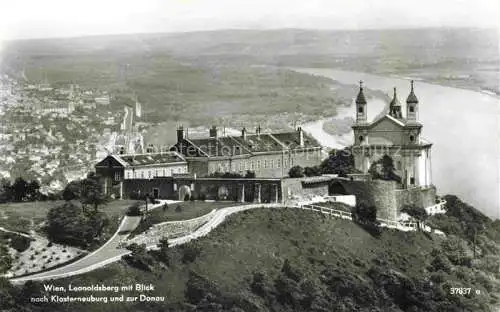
(395, 101)
(395, 107)
(360, 99)
(412, 98)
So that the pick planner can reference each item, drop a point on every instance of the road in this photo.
(107, 253)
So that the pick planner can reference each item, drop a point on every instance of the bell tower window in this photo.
(360, 109)
(412, 109)
(361, 138)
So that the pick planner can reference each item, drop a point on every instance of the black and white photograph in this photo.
(250, 156)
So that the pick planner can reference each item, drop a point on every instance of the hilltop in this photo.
(293, 260)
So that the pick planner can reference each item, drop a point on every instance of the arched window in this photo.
(361, 138)
(412, 138)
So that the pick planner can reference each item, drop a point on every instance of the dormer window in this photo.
(412, 138)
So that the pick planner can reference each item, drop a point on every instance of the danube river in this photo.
(463, 126)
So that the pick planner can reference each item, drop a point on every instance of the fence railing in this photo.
(346, 199)
(399, 225)
(437, 208)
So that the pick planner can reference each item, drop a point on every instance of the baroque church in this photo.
(395, 135)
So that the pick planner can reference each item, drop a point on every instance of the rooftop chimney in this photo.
(213, 132)
(244, 133)
(301, 136)
(180, 134)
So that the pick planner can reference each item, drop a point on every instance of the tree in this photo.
(72, 190)
(92, 193)
(19, 189)
(339, 162)
(312, 171)
(6, 192)
(250, 174)
(418, 213)
(296, 172)
(383, 169)
(364, 213)
(33, 190)
(68, 224)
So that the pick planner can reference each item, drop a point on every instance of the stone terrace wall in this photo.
(294, 187)
(379, 193)
(416, 196)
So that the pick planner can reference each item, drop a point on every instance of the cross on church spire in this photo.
(412, 98)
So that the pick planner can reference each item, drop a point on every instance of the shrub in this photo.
(134, 210)
(312, 171)
(20, 243)
(69, 225)
(296, 172)
(250, 174)
(139, 258)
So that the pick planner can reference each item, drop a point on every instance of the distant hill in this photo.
(204, 76)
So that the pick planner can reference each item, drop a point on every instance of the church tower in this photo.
(395, 107)
(412, 106)
(361, 105)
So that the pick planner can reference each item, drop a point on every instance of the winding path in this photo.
(113, 251)
(107, 253)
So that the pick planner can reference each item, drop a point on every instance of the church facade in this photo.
(394, 134)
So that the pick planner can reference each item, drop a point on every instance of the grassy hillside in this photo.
(292, 260)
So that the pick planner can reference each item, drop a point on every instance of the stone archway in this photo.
(184, 191)
(336, 188)
(222, 193)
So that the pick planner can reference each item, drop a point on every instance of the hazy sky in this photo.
(60, 18)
